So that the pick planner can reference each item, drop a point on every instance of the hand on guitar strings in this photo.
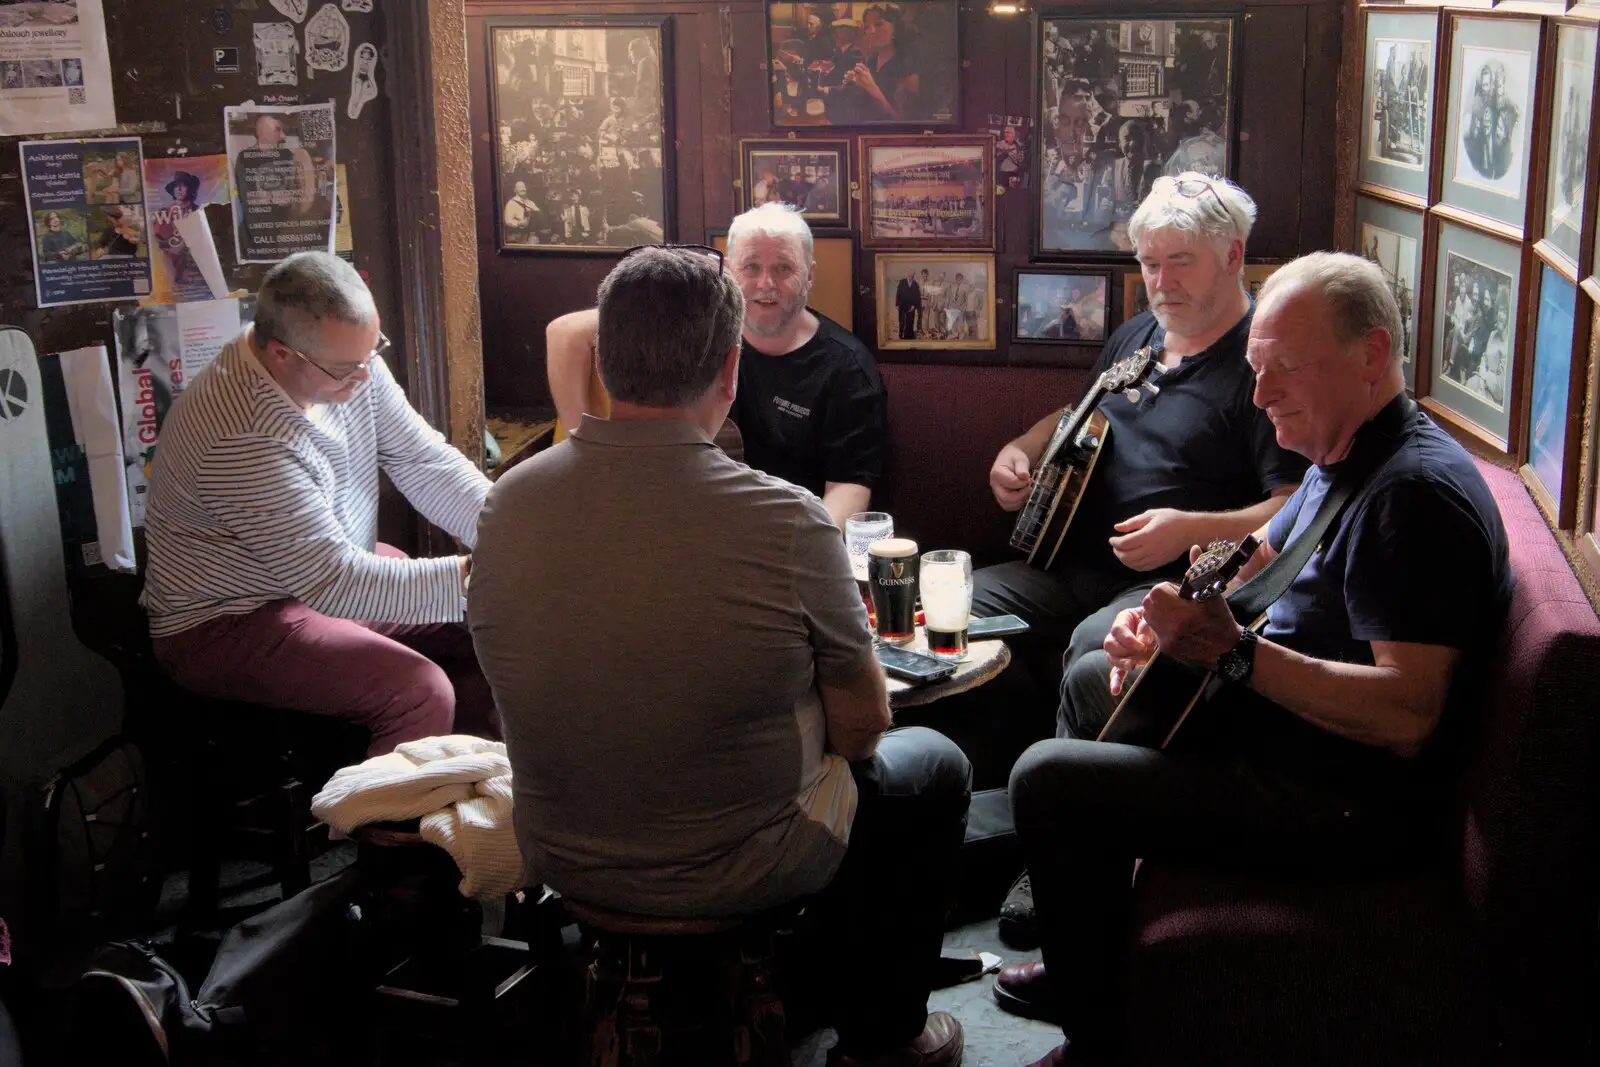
(1194, 631)
(1152, 538)
(1130, 644)
(1009, 478)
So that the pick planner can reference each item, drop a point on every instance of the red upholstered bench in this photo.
(1490, 961)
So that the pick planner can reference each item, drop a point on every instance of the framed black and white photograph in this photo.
(1477, 286)
(583, 133)
(928, 190)
(1494, 68)
(1391, 237)
(813, 177)
(864, 64)
(1397, 100)
(1061, 307)
(1569, 138)
(935, 300)
(1122, 102)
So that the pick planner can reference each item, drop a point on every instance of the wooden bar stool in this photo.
(664, 992)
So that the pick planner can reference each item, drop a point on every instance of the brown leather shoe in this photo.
(939, 1045)
(1024, 989)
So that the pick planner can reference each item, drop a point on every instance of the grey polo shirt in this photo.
(654, 618)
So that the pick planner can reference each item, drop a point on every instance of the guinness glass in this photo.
(946, 584)
(892, 580)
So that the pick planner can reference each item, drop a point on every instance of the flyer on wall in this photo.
(160, 349)
(282, 163)
(55, 71)
(86, 215)
(175, 186)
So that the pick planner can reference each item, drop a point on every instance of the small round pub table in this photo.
(985, 659)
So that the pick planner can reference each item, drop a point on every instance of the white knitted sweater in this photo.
(459, 786)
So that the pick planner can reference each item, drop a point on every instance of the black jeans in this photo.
(880, 922)
(1085, 810)
(995, 723)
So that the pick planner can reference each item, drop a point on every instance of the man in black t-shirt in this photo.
(811, 407)
(1191, 463)
(1329, 747)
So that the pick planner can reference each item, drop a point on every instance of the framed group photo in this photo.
(1397, 100)
(583, 132)
(1477, 282)
(1122, 102)
(813, 177)
(887, 63)
(927, 191)
(1061, 306)
(1494, 67)
(935, 300)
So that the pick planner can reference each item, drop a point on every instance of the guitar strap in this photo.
(1251, 600)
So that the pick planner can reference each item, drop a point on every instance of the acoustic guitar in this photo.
(1069, 458)
(1164, 693)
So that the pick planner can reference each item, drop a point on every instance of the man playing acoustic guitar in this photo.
(1191, 463)
(1328, 747)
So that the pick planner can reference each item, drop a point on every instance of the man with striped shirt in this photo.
(266, 582)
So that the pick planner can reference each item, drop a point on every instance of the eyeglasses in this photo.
(704, 250)
(1194, 188)
(379, 350)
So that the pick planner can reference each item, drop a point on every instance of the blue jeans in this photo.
(880, 922)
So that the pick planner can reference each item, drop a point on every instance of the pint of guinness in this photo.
(892, 581)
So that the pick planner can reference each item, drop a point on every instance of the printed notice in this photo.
(55, 72)
(282, 160)
(86, 213)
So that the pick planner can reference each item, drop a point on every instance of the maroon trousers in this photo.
(400, 682)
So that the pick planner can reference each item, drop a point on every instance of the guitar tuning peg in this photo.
(1132, 393)
(1153, 387)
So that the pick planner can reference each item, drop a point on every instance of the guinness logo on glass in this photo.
(897, 568)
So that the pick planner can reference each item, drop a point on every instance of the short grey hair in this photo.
(303, 290)
(1228, 216)
(668, 317)
(771, 220)
(1354, 290)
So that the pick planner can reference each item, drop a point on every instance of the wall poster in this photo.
(176, 186)
(86, 213)
(55, 72)
(282, 162)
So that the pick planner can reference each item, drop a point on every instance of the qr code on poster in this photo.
(316, 125)
(77, 96)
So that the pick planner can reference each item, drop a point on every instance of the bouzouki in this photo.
(1069, 458)
(1161, 696)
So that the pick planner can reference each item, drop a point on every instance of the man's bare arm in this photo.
(1395, 704)
(844, 499)
(857, 713)
(569, 361)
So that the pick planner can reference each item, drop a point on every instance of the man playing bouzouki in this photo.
(1189, 464)
(1328, 748)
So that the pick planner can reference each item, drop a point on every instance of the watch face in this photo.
(1233, 666)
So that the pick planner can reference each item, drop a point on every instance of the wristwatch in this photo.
(1235, 664)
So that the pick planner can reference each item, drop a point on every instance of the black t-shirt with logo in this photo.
(815, 415)
(1200, 444)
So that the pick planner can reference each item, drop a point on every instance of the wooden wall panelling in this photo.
(1272, 131)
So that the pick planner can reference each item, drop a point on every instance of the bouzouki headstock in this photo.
(1130, 372)
(1215, 567)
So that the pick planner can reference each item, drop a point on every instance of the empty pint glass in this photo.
(946, 584)
(892, 579)
(860, 530)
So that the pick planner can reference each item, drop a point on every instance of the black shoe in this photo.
(1018, 927)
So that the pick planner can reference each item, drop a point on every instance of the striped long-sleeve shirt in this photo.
(254, 500)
